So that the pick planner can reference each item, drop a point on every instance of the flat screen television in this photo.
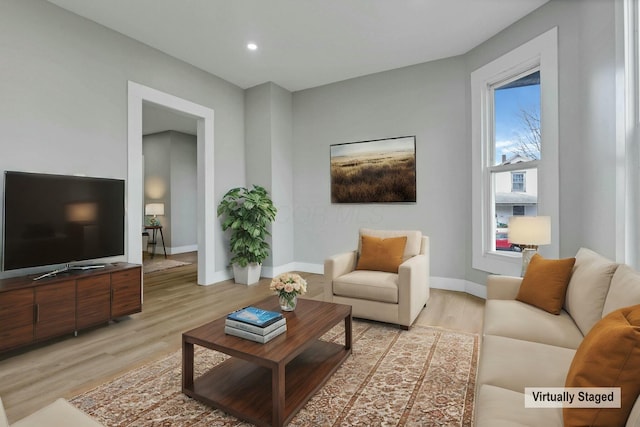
(60, 219)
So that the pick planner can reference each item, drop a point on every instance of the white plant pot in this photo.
(249, 275)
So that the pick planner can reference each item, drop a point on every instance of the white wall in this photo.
(63, 92)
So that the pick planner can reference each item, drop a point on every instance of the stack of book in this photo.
(255, 324)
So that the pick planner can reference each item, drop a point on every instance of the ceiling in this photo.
(156, 118)
(304, 43)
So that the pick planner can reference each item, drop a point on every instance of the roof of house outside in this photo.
(516, 198)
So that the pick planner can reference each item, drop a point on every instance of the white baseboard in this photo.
(459, 285)
(446, 283)
(309, 268)
(221, 276)
(181, 249)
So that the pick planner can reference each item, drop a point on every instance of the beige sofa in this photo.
(57, 414)
(524, 346)
(379, 295)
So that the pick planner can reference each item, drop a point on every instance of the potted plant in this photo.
(247, 213)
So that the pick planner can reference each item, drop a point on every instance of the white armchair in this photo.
(382, 295)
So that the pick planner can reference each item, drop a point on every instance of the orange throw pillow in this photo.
(609, 356)
(381, 254)
(544, 285)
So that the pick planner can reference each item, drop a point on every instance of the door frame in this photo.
(137, 95)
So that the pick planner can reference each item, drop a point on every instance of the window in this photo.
(515, 147)
(517, 182)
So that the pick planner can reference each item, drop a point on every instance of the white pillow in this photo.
(588, 288)
(624, 290)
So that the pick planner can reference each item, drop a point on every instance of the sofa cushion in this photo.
(380, 254)
(545, 283)
(624, 290)
(414, 239)
(515, 319)
(515, 364)
(371, 285)
(60, 413)
(634, 416)
(498, 407)
(588, 288)
(4, 422)
(609, 356)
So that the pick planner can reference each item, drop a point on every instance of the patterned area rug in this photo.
(421, 377)
(162, 264)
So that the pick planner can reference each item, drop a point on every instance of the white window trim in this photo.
(542, 51)
(628, 133)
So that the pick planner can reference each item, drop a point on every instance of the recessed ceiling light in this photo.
(252, 46)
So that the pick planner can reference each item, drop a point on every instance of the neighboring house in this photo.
(516, 192)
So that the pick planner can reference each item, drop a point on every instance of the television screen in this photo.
(56, 219)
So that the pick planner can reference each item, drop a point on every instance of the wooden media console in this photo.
(33, 311)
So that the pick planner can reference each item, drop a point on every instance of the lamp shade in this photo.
(530, 230)
(154, 209)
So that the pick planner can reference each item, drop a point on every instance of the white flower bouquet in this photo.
(288, 286)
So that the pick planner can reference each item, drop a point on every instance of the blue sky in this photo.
(508, 103)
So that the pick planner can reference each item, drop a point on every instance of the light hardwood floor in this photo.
(173, 303)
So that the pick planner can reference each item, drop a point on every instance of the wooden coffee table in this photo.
(267, 384)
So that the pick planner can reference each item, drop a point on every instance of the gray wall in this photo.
(586, 52)
(63, 86)
(426, 100)
(282, 175)
(268, 130)
(170, 162)
(432, 101)
(184, 184)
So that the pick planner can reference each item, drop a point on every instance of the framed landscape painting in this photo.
(377, 171)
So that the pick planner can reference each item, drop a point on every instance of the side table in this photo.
(154, 238)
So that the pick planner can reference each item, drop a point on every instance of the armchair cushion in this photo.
(381, 254)
(368, 285)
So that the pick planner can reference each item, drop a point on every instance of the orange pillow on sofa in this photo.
(609, 356)
(381, 254)
(545, 282)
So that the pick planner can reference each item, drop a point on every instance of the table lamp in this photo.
(154, 209)
(529, 232)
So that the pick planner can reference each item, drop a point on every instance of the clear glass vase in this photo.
(288, 302)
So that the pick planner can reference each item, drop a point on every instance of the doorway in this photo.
(137, 96)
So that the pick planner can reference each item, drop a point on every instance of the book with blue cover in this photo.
(255, 316)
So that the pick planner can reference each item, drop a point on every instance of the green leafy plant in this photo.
(247, 213)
